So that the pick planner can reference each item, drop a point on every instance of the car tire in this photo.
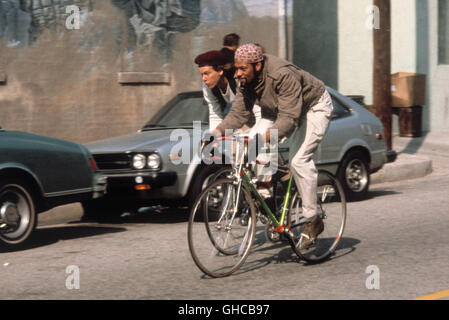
(354, 175)
(17, 211)
(205, 176)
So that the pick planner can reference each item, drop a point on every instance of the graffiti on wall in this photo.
(147, 22)
(22, 21)
(150, 22)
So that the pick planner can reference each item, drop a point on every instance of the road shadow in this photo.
(154, 215)
(49, 235)
(375, 194)
(285, 254)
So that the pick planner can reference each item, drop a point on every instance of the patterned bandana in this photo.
(249, 53)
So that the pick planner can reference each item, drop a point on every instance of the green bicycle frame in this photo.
(270, 214)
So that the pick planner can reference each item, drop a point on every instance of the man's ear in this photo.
(258, 66)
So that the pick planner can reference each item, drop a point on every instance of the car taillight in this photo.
(379, 136)
(93, 164)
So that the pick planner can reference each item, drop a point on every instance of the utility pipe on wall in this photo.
(283, 51)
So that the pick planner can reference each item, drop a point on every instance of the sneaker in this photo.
(310, 232)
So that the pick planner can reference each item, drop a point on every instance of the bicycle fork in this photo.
(238, 169)
(234, 205)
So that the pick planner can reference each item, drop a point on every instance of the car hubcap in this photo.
(356, 175)
(216, 196)
(214, 177)
(15, 213)
(9, 215)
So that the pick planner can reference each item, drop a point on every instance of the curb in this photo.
(405, 167)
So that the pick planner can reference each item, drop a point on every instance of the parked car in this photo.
(141, 173)
(38, 173)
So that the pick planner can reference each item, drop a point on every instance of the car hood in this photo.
(38, 141)
(139, 141)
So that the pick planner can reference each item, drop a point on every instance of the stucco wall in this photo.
(64, 83)
(356, 44)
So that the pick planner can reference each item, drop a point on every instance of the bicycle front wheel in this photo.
(331, 208)
(219, 244)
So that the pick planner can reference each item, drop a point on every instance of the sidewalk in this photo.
(416, 157)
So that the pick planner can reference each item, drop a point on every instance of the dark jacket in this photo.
(285, 94)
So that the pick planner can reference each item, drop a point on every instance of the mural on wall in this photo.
(143, 23)
(149, 22)
(152, 22)
(222, 11)
(62, 82)
(22, 21)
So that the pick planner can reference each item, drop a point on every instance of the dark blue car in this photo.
(38, 173)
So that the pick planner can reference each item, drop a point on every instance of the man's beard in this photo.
(251, 85)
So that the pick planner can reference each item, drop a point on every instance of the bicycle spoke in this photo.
(331, 208)
(221, 239)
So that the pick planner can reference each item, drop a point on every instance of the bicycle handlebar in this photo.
(228, 138)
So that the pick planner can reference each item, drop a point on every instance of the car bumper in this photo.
(100, 186)
(134, 182)
(378, 159)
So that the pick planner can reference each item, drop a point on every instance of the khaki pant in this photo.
(302, 147)
(304, 142)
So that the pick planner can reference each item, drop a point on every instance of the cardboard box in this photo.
(408, 89)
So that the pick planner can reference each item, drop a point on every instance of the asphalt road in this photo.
(396, 241)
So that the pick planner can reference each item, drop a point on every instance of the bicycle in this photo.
(220, 244)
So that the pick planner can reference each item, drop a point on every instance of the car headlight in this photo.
(154, 161)
(139, 161)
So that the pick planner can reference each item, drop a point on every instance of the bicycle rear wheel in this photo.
(219, 246)
(331, 207)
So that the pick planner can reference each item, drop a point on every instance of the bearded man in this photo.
(289, 97)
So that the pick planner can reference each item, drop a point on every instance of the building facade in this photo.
(85, 70)
(334, 39)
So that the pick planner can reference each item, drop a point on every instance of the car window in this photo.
(340, 110)
(184, 111)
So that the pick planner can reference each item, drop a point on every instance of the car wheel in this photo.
(354, 175)
(17, 211)
(206, 176)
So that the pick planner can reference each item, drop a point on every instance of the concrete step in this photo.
(406, 166)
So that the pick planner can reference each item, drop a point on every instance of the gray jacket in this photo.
(285, 94)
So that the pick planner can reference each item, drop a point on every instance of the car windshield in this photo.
(181, 111)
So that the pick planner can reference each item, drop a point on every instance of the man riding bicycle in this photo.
(289, 97)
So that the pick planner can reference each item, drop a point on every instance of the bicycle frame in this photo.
(279, 225)
(235, 199)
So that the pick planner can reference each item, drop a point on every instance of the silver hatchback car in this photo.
(141, 172)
